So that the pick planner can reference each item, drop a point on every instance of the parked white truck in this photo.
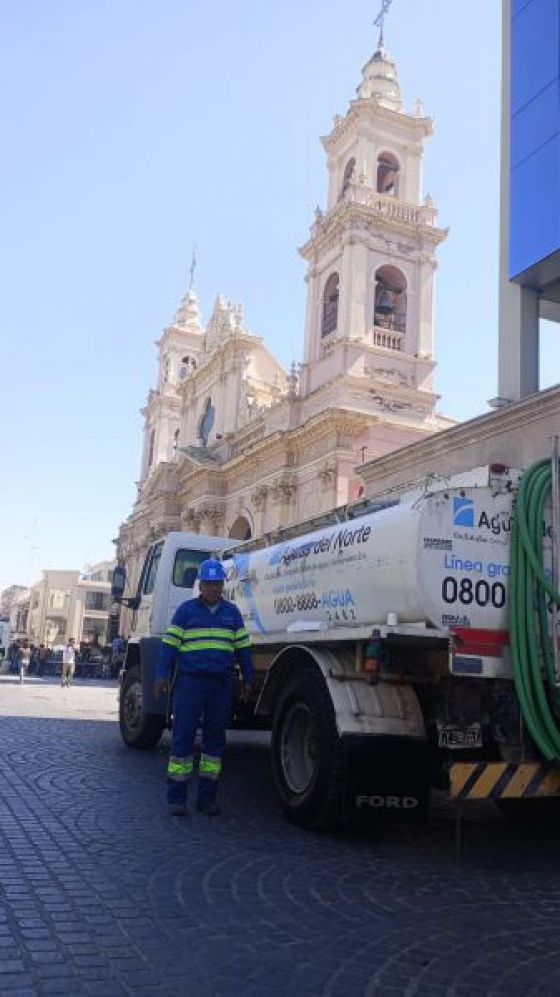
(383, 652)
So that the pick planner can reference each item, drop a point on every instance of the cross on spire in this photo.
(380, 20)
(192, 267)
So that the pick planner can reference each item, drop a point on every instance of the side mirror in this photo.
(118, 584)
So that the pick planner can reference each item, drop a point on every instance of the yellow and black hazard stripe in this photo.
(503, 781)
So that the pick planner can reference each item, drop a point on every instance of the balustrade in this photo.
(389, 339)
(391, 207)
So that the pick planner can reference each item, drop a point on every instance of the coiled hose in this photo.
(531, 645)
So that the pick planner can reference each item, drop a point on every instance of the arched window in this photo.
(348, 174)
(176, 439)
(388, 174)
(188, 364)
(390, 301)
(240, 529)
(330, 305)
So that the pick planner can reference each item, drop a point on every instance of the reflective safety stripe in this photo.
(210, 766)
(242, 639)
(180, 769)
(171, 641)
(175, 631)
(206, 645)
(207, 634)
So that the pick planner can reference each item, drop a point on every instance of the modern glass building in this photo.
(534, 243)
(530, 204)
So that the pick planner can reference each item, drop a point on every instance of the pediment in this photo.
(225, 321)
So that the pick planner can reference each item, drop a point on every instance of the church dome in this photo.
(380, 81)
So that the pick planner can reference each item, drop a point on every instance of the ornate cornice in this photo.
(162, 478)
(259, 496)
(369, 109)
(326, 474)
(283, 490)
(191, 519)
(542, 407)
(351, 218)
(163, 404)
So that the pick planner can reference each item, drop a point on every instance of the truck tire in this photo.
(138, 729)
(308, 756)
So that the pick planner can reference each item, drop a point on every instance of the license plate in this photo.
(455, 736)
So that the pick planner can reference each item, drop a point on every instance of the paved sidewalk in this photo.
(102, 893)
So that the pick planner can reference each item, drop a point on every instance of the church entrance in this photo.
(241, 529)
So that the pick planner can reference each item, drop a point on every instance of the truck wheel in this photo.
(308, 757)
(138, 729)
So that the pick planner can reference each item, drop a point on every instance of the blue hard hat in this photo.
(211, 571)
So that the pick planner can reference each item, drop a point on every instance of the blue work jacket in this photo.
(201, 642)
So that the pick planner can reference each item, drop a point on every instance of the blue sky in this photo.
(133, 129)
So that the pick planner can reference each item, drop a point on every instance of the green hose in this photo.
(532, 653)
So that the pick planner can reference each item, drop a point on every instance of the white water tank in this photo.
(440, 558)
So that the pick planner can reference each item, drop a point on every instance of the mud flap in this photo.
(388, 780)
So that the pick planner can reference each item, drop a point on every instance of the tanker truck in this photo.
(399, 645)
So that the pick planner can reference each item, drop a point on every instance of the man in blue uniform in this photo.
(206, 637)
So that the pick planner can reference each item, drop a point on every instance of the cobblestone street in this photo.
(102, 893)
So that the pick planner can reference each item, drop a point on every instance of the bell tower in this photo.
(371, 254)
(179, 349)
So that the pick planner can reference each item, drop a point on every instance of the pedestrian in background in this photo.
(68, 662)
(42, 658)
(118, 647)
(13, 657)
(106, 663)
(206, 637)
(24, 659)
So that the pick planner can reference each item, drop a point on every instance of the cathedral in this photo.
(235, 445)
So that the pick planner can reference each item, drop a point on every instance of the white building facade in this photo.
(65, 604)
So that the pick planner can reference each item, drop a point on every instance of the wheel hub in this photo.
(132, 706)
(299, 752)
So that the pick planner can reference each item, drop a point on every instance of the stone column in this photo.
(258, 501)
(312, 317)
(423, 313)
(352, 322)
(211, 520)
(283, 499)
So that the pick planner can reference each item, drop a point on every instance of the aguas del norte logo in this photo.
(464, 515)
(463, 512)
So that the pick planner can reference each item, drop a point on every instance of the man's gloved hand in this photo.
(161, 687)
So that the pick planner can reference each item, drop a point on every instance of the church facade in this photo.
(235, 445)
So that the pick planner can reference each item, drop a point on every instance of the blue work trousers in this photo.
(205, 700)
